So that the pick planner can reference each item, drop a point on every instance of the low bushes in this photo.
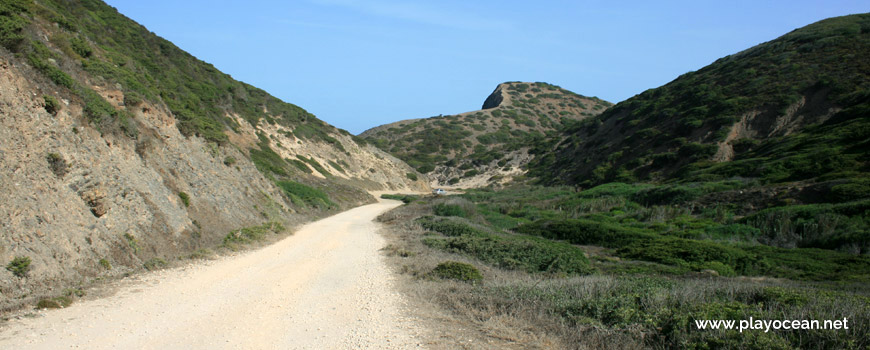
(306, 195)
(252, 234)
(457, 271)
(19, 266)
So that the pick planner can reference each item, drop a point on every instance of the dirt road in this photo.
(325, 287)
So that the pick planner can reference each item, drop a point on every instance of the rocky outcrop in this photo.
(495, 98)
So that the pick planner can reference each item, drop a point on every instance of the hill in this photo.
(119, 150)
(740, 191)
(487, 146)
(792, 109)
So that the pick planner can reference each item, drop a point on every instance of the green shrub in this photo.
(252, 234)
(443, 209)
(405, 198)
(457, 271)
(229, 160)
(587, 232)
(50, 104)
(425, 168)
(411, 176)
(671, 194)
(155, 264)
(105, 264)
(19, 266)
(54, 303)
(858, 188)
(132, 99)
(520, 253)
(302, 194)
(447, 227)
(185, 198)
(81, 47)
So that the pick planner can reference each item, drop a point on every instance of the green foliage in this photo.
(54, 303)
(145, 65)
(185, 198)
(305, 195)
(669, 133)
(411, 176)
(155, 264)
(132, 242)
(519, 253)
(19, 266)
(857, 188)
(337, 166)
(229, 161)
(647, 244)
(50, 104)
(448, 227)
(105, 264)
(267, 161)
(81, 47)
(300, 165)
(314, 164)
(405, 198)
(11, 24)
(443, 209)
(457, 271)
(251, 234)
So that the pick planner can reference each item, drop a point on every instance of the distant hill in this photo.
(796, 108)
(477, 148)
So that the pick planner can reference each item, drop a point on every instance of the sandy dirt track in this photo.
(325, 287)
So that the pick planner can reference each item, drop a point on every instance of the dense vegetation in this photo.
(109, 46)
(801, 102)
(471, 142)
(657, 262)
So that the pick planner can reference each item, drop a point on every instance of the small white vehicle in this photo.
(439, 192)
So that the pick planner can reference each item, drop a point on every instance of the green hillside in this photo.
(472, 143)
(90, 38)
(792, 109)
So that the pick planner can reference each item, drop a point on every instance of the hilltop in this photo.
(792, 109)
(121, 151)
(487, 146)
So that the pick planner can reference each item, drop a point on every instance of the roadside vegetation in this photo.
(634, 265)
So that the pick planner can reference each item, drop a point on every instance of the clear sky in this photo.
(359, 64)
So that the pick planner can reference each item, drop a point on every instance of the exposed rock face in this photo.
(71, 196)
(494, 99)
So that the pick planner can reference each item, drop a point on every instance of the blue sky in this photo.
(359, 64)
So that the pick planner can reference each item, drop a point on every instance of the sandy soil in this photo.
(325, 287)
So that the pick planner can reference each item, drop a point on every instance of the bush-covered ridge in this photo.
(112, 48)
(794, 108)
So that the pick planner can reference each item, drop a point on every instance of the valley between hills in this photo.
(737, 191)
